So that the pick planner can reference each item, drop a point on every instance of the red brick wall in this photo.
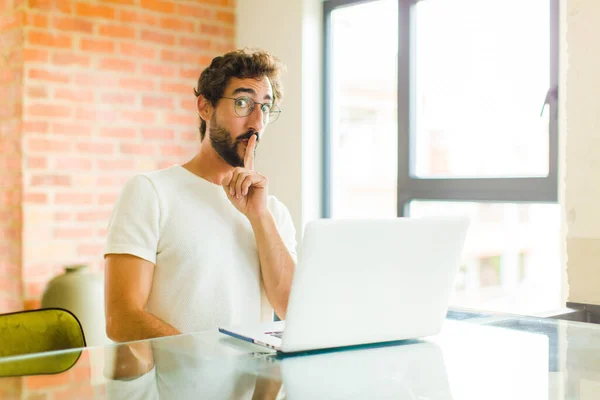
(107, 91)
(11, 98)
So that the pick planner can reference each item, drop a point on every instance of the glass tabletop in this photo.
(476, 356)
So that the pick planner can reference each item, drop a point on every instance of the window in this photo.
(438, 107)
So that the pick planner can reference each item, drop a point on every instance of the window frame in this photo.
(409, 188)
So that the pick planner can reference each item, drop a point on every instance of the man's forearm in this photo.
(276, 264)
(137, 325)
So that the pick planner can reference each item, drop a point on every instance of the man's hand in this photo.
(247, 189)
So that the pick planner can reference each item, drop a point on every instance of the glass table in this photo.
(476, 356)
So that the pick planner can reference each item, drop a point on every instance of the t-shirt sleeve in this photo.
(285, 225)
(134, 224)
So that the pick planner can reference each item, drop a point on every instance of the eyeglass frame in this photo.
(254, 106)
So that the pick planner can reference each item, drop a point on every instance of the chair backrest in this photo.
(36, 331)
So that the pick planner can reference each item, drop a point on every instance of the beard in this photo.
(225, 146)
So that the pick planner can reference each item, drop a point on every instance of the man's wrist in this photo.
(260, 218)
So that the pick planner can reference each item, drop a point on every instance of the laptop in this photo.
(362, 281)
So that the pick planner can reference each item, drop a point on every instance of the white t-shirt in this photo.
(207, 270)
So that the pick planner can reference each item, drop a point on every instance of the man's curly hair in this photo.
(242, 64)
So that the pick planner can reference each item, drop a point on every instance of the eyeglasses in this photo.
(244, 106)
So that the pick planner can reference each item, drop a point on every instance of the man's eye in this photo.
(266, 108)
(242, 103)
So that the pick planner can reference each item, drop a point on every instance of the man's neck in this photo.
(208, 165)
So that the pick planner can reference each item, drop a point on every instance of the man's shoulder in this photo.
(159, 178)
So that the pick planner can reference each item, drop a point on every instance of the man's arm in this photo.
(276, 264)
(128, 280)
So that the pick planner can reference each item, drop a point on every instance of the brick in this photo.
(158, 5)
(35, 198)
(138, 84)
(159, 134)
(85, 114)
(223, 47)
(35, 20)
(180, 57)
(73, 198)
(9, 198)
(124, 2)
(195, 43)
(10, 76)
(189, 104)
(76, 95)
(141, 117)
(75, 392)
(92, 216)
(37, 162)
(50, 180)
(10, 21)
(104, 80)
(116, 64)
(216, 30)
(63, 216)
(63, 6)
(158, 102)
(71, 24)
(194, 11)
(35, 127)
(48, 110)
(73, 233)
(156, 37)
(73, 164)
(137, 17)
(91, 250)
(121, 133)
(31, 304)
(177, 88)
(70, 129)
(138, 149)
(48, 145)
(9, 111)
(49, 40)
(108, 198)
(190, 73)
(115, 181)
(37, 92)
(178, 24)
(182, 119)
(95, 148)
(136, 50)
(36, 289)
(115, 165)
(70, 59)
(97, 46)
(159, 70)
(35, 55)
(8, 147)
(118, 98)
(189, 136)
(117, 31)
(226, 16)
(48, 76)
(94, 10)
(174, 150)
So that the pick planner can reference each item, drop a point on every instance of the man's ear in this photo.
(205, 109)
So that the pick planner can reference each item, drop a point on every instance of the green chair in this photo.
(36, 331)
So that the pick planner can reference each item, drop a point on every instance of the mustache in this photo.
(247, 136)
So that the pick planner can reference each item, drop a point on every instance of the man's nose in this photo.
(256, 120)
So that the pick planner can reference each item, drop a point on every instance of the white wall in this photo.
(290, 155)
(581, 118)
